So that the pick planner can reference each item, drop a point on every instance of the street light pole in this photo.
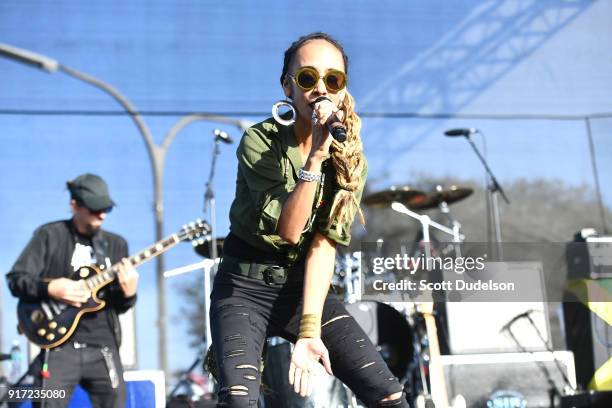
(156, 153)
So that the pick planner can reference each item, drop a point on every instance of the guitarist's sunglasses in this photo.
(94, 212)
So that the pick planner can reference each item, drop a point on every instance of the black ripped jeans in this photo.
(244, 311)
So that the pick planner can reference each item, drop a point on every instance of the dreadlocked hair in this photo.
(348, 161)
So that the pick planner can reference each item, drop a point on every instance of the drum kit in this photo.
(397, 329)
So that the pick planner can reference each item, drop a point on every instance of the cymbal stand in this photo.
(456, 225)
(426, 223)
(352, 277)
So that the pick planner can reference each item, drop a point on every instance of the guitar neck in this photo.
(136, 260)
(436, 373)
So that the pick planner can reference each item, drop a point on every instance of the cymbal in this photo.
(449, 195)
(203, 249)
(402, 194)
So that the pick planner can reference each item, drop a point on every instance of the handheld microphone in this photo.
(335, 126)
(223, 136)
(460, 132)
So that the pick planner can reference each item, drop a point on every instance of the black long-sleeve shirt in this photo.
(48, 255)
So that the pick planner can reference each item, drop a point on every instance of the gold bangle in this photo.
(310, 318)
(310, 326)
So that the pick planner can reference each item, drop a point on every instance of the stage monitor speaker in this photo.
(507, 379)
(478, 327)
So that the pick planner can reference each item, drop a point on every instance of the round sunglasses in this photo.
(307, 78)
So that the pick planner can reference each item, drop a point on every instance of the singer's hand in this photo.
(321, 139)
(305, 364)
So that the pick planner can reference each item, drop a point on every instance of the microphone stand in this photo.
(493, 188)
(553, 390)
(566, 380)
(209, 205)
(209, 197)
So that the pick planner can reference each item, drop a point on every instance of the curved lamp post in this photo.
(157, 156)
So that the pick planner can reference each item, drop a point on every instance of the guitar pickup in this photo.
(57, 309)
(46, 310)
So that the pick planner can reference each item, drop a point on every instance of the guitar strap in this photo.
(100, 247)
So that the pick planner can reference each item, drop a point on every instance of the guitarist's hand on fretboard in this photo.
(127, 277)
(74, 293)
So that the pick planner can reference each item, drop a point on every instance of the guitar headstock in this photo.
(195, 230)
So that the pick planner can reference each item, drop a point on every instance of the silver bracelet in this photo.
(308, 175)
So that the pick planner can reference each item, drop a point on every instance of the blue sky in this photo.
(476, 63)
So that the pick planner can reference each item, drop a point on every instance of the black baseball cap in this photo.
(91, 191)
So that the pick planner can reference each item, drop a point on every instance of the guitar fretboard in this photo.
(141, 257)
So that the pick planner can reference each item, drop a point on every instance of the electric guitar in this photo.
(51, 322)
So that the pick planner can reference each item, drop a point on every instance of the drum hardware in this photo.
(404, 195)
(203, 247)
(347, 276)
(397, 329)
(205, 264)
(450, 196)
(426, 223)
(401, 199)
(442, 197)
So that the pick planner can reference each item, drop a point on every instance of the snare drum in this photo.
(389, 331)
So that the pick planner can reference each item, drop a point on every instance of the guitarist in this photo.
(42, 272)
